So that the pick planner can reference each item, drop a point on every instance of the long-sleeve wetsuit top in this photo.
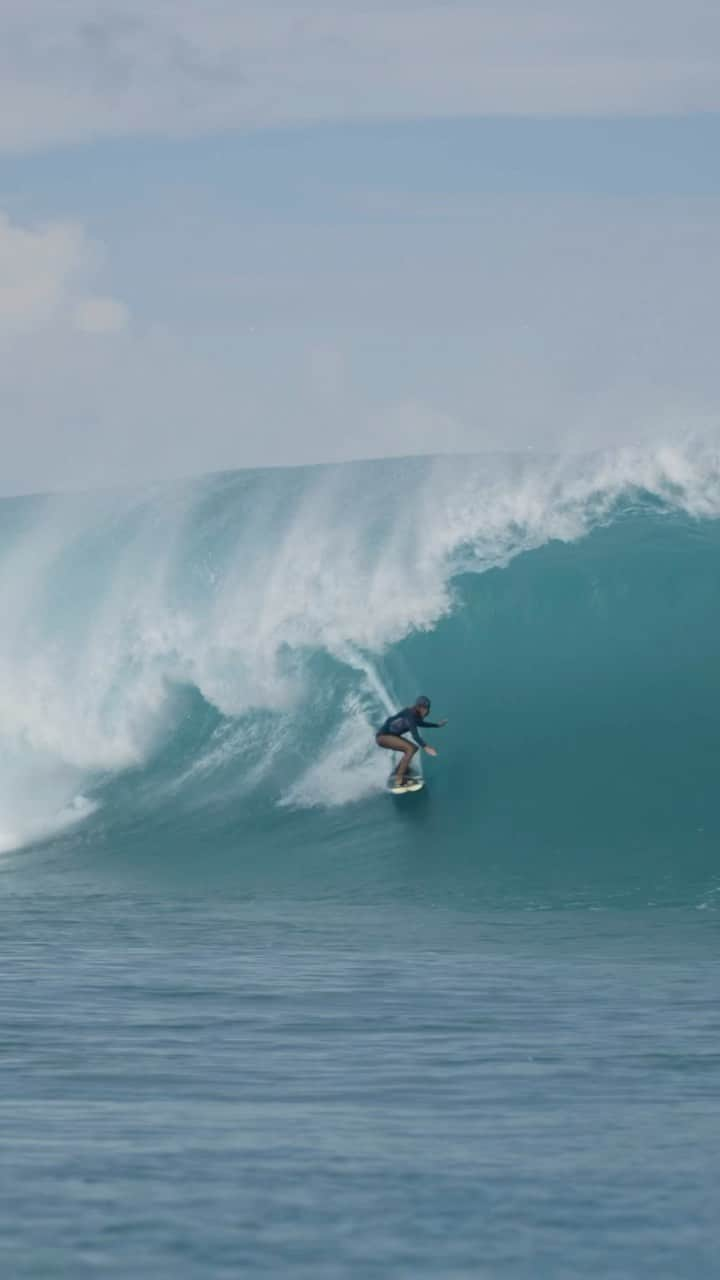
(407, 721)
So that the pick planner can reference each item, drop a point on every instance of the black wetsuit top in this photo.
(407, 721)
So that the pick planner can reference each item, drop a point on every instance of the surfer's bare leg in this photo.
(393, 742)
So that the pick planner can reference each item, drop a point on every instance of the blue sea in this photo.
(260, 1017)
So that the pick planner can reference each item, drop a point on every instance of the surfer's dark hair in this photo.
(422, 701)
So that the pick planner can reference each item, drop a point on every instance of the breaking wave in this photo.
(183, 664)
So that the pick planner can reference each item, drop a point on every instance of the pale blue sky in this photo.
(192, 280)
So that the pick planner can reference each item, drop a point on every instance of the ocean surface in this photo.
(259, 1017)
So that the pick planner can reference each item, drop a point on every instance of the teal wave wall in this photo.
(191, 677)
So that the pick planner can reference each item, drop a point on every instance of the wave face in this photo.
(198, 672)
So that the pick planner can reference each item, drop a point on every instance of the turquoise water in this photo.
(260, 1017)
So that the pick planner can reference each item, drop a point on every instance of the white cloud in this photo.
(98, 68)
(36, 267)
(101, 315)
(44, 273)
(511, 322)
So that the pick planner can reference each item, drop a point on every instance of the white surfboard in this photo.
(414, 783)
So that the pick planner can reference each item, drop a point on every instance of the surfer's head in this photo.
(422, 705)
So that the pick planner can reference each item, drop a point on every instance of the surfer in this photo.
(407, 721)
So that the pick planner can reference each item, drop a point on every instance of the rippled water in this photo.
(214, 1086)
